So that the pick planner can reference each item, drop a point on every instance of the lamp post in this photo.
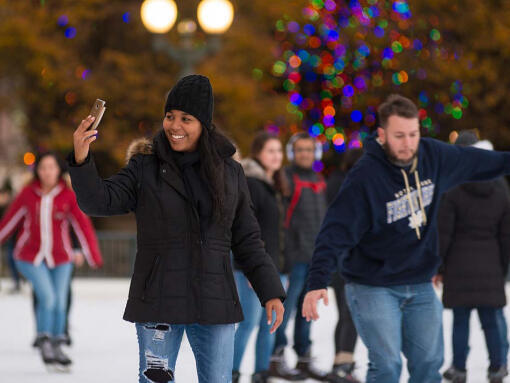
(214, 17)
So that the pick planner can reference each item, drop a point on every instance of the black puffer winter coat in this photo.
(474, 238)
(180, 276)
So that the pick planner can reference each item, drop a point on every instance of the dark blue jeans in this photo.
(254, 315)
(503, 328)
(491, 328)
(212, 345)
(293, 303)
(399, 319)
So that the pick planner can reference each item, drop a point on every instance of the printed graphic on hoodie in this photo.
(400, 208)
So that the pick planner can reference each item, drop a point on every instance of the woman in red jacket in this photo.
(43, 212)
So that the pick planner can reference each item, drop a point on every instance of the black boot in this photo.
(344, 371)
(60, 357)
(305, 365)
(260, 377)
(47, 351)
(279, 369)
(454, 375)
(236, 376)
(498, 375)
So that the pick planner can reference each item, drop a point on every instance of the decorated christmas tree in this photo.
(342, 58)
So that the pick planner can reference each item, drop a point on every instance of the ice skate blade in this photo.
(65, 369)
(58, 368)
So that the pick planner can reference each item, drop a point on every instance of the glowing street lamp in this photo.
(159, 16)
(214, 16)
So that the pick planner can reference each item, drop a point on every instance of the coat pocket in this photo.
(217, 250)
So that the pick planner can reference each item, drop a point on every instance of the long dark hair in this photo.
(280, 181)
(212, 166)
(60, 163)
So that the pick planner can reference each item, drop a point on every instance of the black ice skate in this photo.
(305, 365)
(279, 369)
(61, 360)
(47, 352)
(455, 376)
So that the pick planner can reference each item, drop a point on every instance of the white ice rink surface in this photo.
(105, 347)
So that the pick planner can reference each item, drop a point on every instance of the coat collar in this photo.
(37, 189)
(169, 171)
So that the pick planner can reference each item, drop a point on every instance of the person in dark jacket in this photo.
(474, 239)
(345, 332)
(381, 231)
(192, 206)
(305, 211)
(267, 185)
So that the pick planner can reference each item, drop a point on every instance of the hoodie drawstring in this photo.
(420, 197)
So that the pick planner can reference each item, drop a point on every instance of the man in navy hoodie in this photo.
(381, 232)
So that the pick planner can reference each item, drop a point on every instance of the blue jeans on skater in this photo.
(293, 303)
(159, 343)
(492, 331)
(51, 287)
(254, 315)
(395, 319)
(503, 330)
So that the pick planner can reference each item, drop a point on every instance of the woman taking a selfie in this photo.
(192, 206)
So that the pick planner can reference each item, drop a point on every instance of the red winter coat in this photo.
(44, 227)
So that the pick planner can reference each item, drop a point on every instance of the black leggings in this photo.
(345, 332)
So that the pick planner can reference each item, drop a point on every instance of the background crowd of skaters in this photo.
(289, 203)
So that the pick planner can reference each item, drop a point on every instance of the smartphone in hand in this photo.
(97, 111)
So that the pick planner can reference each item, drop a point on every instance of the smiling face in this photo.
(182, 130)
(400, 139)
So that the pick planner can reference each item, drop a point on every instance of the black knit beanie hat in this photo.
(192, 94)
(466, 138)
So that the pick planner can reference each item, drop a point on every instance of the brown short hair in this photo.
(396, 105)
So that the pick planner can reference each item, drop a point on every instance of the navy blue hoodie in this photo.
(370, 232)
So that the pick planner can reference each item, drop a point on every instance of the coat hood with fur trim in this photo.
(253, 169)
(139, 146)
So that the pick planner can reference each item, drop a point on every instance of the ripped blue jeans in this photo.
(159, 343)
